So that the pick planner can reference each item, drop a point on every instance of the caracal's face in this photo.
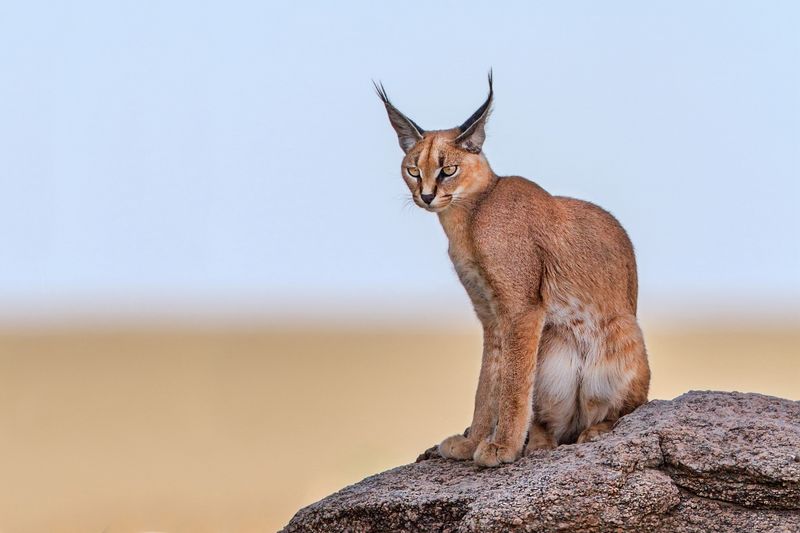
(442, 168)
(439, 174)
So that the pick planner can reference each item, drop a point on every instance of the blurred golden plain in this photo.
(217, 430)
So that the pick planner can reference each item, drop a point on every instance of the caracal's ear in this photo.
(408, 132)
(473, 131)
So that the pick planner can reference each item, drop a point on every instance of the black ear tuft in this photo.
(408, 132)
(473, 130)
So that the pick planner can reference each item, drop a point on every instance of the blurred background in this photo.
(216, 306)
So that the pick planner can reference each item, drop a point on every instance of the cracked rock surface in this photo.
(705, 461)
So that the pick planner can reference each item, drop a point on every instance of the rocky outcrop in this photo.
(706, 461)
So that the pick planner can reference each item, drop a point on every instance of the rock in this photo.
(705, 461)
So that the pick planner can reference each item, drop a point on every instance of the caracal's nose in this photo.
(427, 198)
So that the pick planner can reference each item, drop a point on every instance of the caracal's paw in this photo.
(539, 444)
(591, 433)
(493, 454)
(457, 447)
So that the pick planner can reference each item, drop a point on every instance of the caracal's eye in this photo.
(413, 172)
(449, 170)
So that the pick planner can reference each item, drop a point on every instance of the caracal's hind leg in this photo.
(616, 378)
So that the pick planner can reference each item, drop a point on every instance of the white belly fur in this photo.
(576, 385)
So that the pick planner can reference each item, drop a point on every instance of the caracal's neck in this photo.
(456, 218)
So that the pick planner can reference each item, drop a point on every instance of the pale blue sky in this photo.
(187, 151)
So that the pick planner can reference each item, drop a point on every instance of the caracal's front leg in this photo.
(484, 416)
(520, 333)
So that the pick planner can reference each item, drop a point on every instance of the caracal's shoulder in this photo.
(513, 209)
(513, 198)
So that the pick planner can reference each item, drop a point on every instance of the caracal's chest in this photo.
(469, 270)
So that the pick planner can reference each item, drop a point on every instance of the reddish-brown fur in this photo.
(553, 282)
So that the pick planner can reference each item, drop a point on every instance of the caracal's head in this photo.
(443, 168)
